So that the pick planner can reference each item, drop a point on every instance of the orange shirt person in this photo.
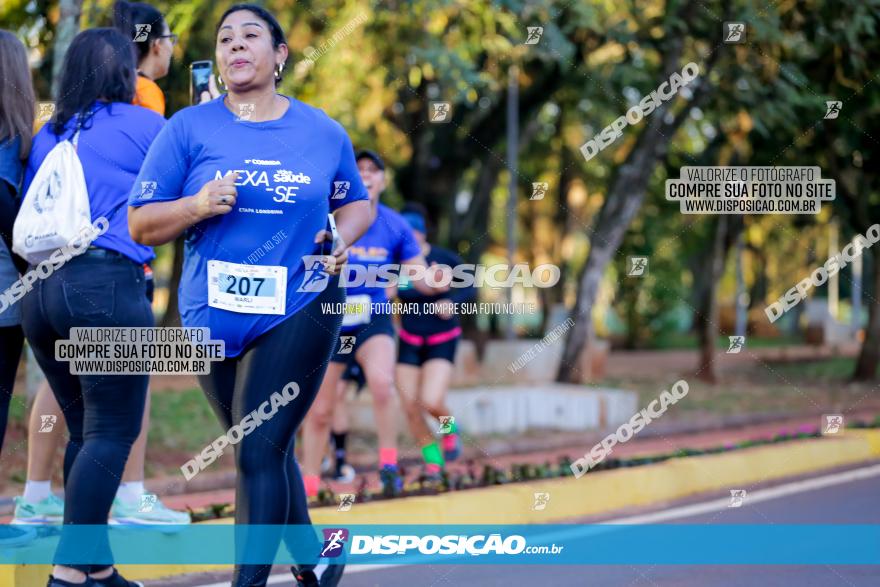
(153, 42)
(148, 94)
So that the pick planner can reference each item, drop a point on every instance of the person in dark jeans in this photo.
(102, 287)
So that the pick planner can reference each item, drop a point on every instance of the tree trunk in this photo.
(620, 206)
(707, 318)
(700, 269)
(866, 366)
(624, 198)
(65, 31)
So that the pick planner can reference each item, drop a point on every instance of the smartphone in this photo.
(333, 231)
(199, 77)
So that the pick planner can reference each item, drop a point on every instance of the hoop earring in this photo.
(221, 83)
(280, 69)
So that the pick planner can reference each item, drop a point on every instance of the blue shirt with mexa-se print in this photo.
(292, 172)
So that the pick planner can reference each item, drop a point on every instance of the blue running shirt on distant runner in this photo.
(388, 240)
(291, 173)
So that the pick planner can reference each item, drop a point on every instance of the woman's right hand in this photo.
(216, 197)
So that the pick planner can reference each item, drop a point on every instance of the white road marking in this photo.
(752, 497)
(655, 517)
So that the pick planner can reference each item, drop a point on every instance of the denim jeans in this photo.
(103, 412)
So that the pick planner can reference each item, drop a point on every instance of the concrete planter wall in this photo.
(516, 409)
(509, 409)
(529, 361)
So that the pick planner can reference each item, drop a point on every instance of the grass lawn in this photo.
(795, 386)
(182, 424)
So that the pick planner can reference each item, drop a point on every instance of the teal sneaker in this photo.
(146, 513)
(47, 511)
(12, 537)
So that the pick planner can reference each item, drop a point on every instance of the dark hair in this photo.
(99, 65)
(275, 29)
(128, 15)
(16, 93)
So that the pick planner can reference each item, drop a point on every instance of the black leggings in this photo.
(11, 340)
(269, 488)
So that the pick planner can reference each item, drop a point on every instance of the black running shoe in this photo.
(321, 575)
(116, 580)
(392, 482)
(305, 578)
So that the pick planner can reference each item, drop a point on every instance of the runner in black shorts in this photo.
(426, 351)
(367, 334)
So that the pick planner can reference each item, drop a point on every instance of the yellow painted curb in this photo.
(592, 494)
(596, 493)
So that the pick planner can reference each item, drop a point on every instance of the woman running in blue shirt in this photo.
(250, 177)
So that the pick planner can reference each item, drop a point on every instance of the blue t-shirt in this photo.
(111, 148)
(388, 240)
(291, 173)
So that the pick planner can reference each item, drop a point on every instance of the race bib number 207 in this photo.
(247, 289)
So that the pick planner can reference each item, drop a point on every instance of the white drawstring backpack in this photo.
(55, 211)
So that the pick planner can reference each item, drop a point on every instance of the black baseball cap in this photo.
(372, 156)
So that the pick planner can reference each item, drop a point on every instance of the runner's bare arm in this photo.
(353, 220)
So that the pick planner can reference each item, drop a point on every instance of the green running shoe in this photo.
(47, 511)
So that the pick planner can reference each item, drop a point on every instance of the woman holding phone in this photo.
(232, 183)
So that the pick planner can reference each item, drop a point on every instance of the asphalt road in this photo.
(855, 502)
(843, 497)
